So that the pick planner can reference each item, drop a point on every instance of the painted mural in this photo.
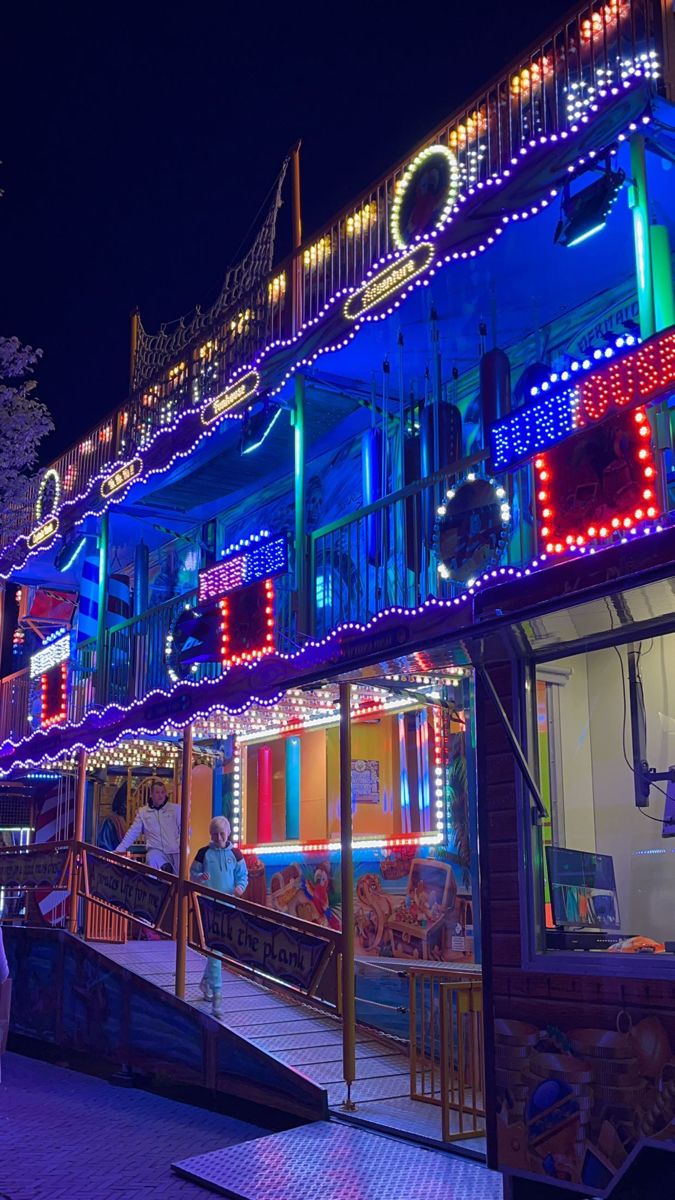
(573, 1103)
(412, 903)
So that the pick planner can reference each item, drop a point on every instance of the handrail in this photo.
(285, 920)
(411, 489)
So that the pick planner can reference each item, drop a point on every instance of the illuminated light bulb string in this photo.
(631, 75)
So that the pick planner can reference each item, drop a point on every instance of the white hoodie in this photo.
(161, 827)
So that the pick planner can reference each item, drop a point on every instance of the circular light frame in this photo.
(410, 172)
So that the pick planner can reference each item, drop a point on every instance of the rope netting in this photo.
(154, 351)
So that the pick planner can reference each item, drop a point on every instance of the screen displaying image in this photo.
(583, 889)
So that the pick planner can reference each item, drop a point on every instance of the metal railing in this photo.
(382, 555)
(537, 94)
(14, 706)
(447, 1060)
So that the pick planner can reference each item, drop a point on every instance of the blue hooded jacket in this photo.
(224, 865)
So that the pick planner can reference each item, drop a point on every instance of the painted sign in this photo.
(42, 533)
(236, 393)
(142, 896)
(390, 281)
(630, 374)
(599, 483)
(425, 195)
(366, 781)
(285, 954)
(472, 527)
(35, 868)
(121, 476)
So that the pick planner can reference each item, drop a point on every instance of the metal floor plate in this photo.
(338, 1162)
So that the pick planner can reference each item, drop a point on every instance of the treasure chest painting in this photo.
(573, 1105)
(416, 927)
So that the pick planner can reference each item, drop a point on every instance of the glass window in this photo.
(606, 744)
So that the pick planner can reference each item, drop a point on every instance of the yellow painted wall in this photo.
(201, 808)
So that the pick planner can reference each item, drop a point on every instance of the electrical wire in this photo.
(631, 768)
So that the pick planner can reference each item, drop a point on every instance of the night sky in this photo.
(139, 141)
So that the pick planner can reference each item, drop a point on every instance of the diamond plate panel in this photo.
(338, 1162)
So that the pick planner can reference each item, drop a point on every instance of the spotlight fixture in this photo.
(257, 425)
(585, 212)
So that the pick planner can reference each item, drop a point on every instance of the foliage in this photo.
(24, 421)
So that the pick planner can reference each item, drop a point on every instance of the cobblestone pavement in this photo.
(67, 1136)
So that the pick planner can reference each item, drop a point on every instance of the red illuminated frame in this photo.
(561, 528)
(54, 696)
(236, 646)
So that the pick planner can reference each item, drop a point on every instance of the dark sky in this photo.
(140, 139)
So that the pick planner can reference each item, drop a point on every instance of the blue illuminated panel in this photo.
(259, 557)
(536, 426)
(618, 377)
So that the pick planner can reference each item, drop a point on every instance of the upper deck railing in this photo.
(543, 91)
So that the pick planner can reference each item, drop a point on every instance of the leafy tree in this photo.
(24, 421)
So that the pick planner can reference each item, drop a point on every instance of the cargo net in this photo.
(154, 351)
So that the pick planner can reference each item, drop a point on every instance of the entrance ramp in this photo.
(338, 1162)
(290, 1031)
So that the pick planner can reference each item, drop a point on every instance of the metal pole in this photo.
(649, 247)
(186, 797)
(133, 346)
(296, 270)
(347, 881)
(300, 555)
(103, 539)
(78, 834)
(639, 203)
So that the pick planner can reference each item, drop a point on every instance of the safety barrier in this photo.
(447, 1063)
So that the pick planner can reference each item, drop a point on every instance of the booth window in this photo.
(605, 723)
(291, 782)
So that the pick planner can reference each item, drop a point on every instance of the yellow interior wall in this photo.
(201, 807)
(371, 740)
(313, 775)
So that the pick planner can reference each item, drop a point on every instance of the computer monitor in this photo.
(582, 888)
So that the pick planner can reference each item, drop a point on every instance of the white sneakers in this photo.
(205, 988)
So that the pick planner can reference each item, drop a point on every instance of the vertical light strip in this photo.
(238, 752)
(405, 786)
(293, 789)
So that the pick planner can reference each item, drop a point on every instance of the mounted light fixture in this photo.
(257, 425)
(585, 212)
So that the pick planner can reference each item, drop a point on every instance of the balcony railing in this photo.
(539, 93)
(381, 556)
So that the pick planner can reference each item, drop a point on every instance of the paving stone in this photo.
(67, 1136)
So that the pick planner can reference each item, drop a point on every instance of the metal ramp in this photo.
(294, 1033)
(338, 1162)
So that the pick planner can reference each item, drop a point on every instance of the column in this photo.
(186, 797)
(347, 881)
(293, 789)
(78, 835)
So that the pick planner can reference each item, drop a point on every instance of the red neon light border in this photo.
(61, 714)
(228, 659)
(557, 541)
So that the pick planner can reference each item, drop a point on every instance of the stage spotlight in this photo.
(585, 213)
(257, 425)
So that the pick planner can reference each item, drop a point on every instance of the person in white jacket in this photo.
(159, 821)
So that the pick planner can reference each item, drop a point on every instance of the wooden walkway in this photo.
(304, 1038)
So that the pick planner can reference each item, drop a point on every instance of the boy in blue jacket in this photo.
(221, 866)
